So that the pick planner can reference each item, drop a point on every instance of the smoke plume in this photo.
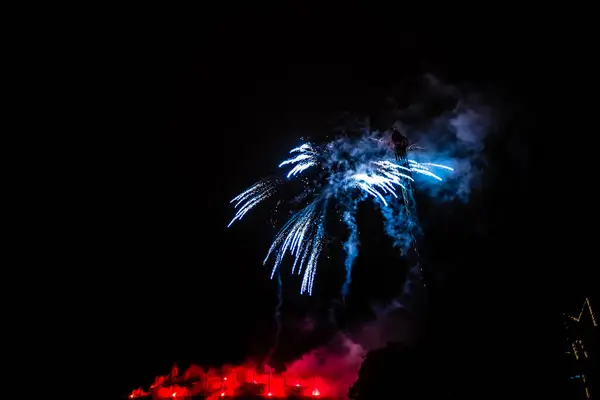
(454, 133)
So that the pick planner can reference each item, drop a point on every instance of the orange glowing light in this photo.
(269, 394)
(225, 378)
(223, 394)
(174, 394)
(131, 396)
(316, 392)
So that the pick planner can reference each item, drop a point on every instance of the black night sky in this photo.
(205, 111)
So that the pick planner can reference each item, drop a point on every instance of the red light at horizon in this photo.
(215, 383)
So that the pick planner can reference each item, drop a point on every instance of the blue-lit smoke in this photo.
(346, 171)
(399, 225)
(351, 248)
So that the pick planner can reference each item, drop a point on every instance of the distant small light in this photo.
(225, 378)
(269, 394)
(316, 392)
(174, 394)
(223, 394)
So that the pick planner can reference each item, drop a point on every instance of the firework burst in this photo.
(344, 171)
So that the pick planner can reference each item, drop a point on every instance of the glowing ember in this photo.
(269, 394)
(223, 394)
(316, 392)
(174, 394)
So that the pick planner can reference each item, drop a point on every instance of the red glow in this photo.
(327, 368)
(138, 393)
(238, 380)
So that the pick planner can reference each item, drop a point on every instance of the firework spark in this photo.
(254, 195)
(341, 168)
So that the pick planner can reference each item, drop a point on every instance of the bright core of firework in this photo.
(345, 171)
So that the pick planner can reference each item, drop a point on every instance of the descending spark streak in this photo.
(413, 164)
(251, 197)
(371, 183)
(303, 161)
(302, 236)
(305, 146)
(425, 172)
(300, 168)
(311, 266)
(309, 224)
(296, 159)
(438, 166)
(346, 167)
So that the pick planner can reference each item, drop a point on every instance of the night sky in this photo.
(206, 111)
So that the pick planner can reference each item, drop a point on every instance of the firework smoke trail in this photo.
(277, 318)
(413, 230)
(277, 314)
(342, 167)
(351, 248)
(403, 224)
